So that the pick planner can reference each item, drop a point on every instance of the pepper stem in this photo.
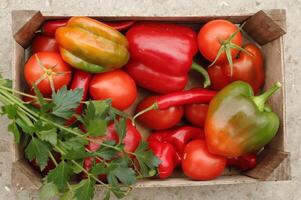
(195, 66)
(261, 99)
(154, 106)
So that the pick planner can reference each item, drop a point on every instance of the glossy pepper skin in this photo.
(81, 80)
(238, 122)
(167, 154)
(161, 56)
(178, 137)
(92, 46)
(245, 162)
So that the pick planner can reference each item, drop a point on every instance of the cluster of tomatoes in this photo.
(49, 72)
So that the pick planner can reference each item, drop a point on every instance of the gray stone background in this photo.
(292, 42)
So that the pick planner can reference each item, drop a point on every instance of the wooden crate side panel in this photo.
(24, 26)
(273, 53)
(263, 28)
(272, 165)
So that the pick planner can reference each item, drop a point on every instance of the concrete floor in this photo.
(268, 190)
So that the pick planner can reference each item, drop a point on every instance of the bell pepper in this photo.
(167, 154)
(245, 162)
(178, 137)
(238, 122)
(92, 46)
(161, 56)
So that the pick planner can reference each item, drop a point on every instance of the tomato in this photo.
(248, 68)
(158, 119)
(116, 85)
(51, 68)
(199, 164)
(44, 43)
(196, 114)
(213, 34)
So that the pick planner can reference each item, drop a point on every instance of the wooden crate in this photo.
(264, 27)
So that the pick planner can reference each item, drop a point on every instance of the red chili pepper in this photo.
(244, 163)
(49, 27)
(179, 99)
(120, 26)
(167, 154)
(161, 56)
(80, 79)
(178, 137)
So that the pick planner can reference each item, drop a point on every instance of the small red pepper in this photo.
(168, 156)
(49, 27)
(196, 114)
(245, 162)
(180, 98)
(178, 137)
(162, 55)
(80, 79)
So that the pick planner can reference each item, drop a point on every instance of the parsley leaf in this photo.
(66, 101)
(85, 190)
(120, 127)
(48, 191)
(14, 129)
(60, 175)
(37, 150)
(10, 111)
(125, 174)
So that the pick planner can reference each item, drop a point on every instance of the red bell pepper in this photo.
(179, 99)
(178, 137)
(167, 154)
(120, 26)
(245, 162)
(80, 79)
(161, 56)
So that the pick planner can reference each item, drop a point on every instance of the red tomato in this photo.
(116, 85)
(196, 114)
(199, 164)
(158, 119)
(44, 43)
(248, 68)
(211, 36)
(52, 67)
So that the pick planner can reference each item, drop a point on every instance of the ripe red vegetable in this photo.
(178, 137)
(167, 154)
(44, 43)
(49, 27)
(120, 26)
(48, 71)
(81, 80)
(246, 67)
(159, 119)
(161, 56)
(245, 162)
(218, 38)
(177, 99)
(199, 164)
(116, 85)
(196, 114)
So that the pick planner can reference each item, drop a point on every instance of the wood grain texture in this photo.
(271, 166)
(24, 25)
(263, 29)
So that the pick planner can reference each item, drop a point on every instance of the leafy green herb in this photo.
(120, 127)
(60, 175)
(37, 150)
(14, 129)
(66, 101)
(85, 190)
(48, 191)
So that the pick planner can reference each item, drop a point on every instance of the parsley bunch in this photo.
(42, 132)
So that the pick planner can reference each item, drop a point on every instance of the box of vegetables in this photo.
(112, 103)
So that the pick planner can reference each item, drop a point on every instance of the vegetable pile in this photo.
(83, 76)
